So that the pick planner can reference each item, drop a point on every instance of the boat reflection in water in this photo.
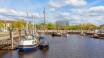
(28, 43)
(34, 54)
(26, 55)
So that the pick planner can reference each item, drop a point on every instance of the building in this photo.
(62, 23)
(6, 24)
(102, 26)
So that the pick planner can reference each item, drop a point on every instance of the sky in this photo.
(75, 11)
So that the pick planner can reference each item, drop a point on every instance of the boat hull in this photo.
(43, 46)
(27, 47)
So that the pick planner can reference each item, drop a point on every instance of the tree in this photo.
(30, 25)
(101, 26)
(40, 26)
(87, 26)
(18, 24)
(1, 24)
(51, 26)
(73, 27)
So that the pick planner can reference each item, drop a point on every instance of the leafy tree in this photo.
(19, 24)
(84, 26)
(30, 25)
(51, 26)
(87, 26)
(73, 27)
(40, 26)
(1, 24)
(101, 27)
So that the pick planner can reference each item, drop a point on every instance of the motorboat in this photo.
(56, 34)
(27, 43)
(43, 42)
(95, 36)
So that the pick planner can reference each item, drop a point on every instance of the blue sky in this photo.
(76, 11)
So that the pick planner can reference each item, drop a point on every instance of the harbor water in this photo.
(73, 46)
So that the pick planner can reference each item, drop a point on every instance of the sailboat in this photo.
(29, 41)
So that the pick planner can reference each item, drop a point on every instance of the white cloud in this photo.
(65, 14)
(54, 4)
(83, 15)
(75, 14)
(58, 3)
(76, 2)
(52, 9)
(13, 12)
(5, 18)
(97, 8)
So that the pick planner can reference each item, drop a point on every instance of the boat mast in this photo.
(34, 25)
(44, 12)
(26, 30)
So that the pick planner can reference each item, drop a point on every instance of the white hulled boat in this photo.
(28, 43)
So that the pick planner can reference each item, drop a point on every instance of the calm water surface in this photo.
(74, 46)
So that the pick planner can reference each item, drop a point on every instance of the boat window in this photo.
(28, 38)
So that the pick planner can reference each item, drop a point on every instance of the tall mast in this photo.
(34, 25)
(26, 29)
(44, 12)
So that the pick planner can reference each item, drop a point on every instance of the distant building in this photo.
(7, 23)
(61, 23)
(102, 25)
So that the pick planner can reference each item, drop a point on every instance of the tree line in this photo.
(21, 24)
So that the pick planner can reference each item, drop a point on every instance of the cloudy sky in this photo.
(76, 11)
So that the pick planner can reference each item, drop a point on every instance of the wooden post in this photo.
(19, 34)
(12, 40)
(11, 37)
